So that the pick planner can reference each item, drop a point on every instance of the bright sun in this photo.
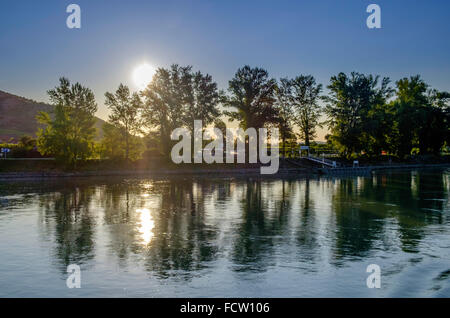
(142, 75)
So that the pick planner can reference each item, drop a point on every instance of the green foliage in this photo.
(322, 148)
(355, 110)
(126, 118)
(27, 142)
(362, 116)
(69, 135)
(363, 121)
(14, 148)
(25, 148)
(378, 130)
(422, 118)
(114, 145)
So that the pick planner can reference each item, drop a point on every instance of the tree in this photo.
(125, 114)
(27, 142)
(251, 94)
(410, 97)
(422, 117)
(351, 100)
(379, 130)
(220, 124)
(305, 97)
(113, 144)
(175, 98)
(433, 125)
(440, 101)
(284, 105)
(69, 135)
(202, 102)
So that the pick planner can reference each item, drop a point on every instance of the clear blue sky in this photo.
(320, 37)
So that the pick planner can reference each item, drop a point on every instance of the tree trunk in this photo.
(127, 145)
(307, 138)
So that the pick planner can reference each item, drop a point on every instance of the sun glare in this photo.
(142, 75)
(146, 225)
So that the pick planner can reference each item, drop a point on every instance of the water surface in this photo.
(205, 237)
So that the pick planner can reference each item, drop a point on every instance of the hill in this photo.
(18, 117)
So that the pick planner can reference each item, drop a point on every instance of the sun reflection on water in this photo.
(146, 225)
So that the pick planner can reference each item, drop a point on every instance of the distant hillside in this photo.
(18, 117)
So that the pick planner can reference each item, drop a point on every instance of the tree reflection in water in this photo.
(68, 218)
(181, 226)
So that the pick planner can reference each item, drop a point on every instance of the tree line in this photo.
(365, 114)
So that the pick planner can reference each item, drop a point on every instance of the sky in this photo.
(287, 38)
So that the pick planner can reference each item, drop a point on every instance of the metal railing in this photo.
(323, 161)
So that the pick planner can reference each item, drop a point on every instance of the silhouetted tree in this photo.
(284, 105)
(176, 97)
(410, 97)
(125, 114)
(203, 100)
(348, 108)
(305, 97)
(421, 117)
(251, 94)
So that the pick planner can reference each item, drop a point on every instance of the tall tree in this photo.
(305, 98)
(251, 94)
(284, 105)
(411, 96)
(348, 106)
(440, 102)
(125, 114)
(176, 97)
(220, 124)
(422, 117)
(69, 135)
(379, 130)
(202, 100)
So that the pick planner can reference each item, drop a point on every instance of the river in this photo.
(227, 237)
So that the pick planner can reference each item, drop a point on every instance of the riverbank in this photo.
(51, 169)
(244, 170)
(370, 169)
(159, 172)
